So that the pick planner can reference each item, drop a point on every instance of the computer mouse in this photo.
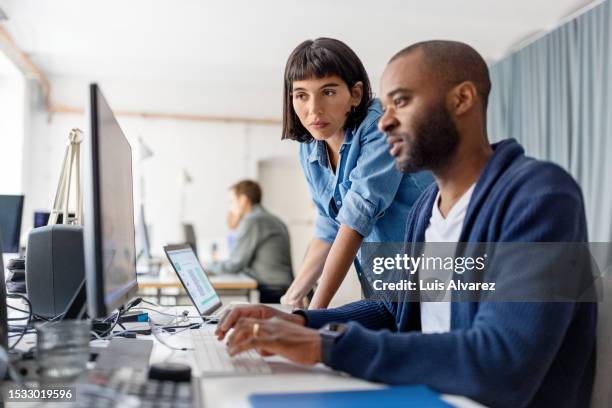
(175, 372)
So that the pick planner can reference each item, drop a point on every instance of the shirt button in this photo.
(339, 202)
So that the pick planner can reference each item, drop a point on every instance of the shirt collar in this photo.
(319, 152)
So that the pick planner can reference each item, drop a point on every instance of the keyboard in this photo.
(120, 388)
(212, 357)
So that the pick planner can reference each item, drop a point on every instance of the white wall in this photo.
(12, 126)
(214, 154)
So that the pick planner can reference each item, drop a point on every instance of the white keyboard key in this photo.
(212, 357)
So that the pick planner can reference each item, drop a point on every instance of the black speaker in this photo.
(55, 267)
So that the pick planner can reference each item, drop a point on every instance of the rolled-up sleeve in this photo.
(374, 184)
(326, 228)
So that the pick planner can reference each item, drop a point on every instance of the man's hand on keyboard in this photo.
(232, 315)
(299, 344)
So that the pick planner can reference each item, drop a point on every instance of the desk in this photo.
(225, 284)
(233, 392)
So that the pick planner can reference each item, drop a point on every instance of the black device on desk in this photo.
(15, 278)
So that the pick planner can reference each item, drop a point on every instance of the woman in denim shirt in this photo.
(359, 194)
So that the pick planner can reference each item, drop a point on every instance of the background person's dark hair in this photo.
(317, 59)
(249, 188)
(454, 62)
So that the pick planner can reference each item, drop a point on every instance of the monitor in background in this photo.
(11, 209)
(41, 218)
(143, 237)
(108, 227)
(190, 237)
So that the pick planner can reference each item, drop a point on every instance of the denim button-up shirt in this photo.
(366, 193)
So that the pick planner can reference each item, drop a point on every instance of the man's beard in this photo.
(434, 143)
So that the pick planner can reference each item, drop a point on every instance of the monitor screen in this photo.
(109, 238)
(194, 279)
(41, 218)
(11, 208)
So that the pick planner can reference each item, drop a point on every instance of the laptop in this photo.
(210, 354)
(195, 281)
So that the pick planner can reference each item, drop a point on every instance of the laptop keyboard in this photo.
(212, 357)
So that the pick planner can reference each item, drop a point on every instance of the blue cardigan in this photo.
(499, 354)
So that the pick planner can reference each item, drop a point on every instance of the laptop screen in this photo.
(194, 279)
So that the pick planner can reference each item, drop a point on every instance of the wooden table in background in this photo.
(225, 285)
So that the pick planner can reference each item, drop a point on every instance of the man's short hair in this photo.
(453, 62)
(249, 188)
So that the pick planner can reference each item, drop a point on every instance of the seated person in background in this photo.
(261, 248)
(502, 354)
(233, 220)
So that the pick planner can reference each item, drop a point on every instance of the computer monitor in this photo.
(41, 218)
(190, 237)
(108, 210)
(11, 209)
(143, 237)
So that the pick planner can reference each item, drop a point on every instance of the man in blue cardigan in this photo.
(506, 354)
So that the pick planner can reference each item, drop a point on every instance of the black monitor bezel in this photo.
(94, 271)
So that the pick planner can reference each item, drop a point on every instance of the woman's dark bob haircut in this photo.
(318, 59)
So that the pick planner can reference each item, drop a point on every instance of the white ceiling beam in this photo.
(25, 64)
(58, 108)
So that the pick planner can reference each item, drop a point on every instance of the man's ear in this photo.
(463, 98)
(356, 93)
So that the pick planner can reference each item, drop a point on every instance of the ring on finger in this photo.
(255, 329)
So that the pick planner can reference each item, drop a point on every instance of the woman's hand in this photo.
(232, 315)
(295, 302)
(339, 260)
(309, 272)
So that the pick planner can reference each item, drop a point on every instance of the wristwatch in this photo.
(330, 334)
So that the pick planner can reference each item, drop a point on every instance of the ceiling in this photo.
(239, 47)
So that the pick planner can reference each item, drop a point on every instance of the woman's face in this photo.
(322, 104)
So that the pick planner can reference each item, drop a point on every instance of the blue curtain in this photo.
(555, 97)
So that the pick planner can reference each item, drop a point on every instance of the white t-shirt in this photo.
(435, 316)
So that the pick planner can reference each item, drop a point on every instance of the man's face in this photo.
(417, 123)
(237, 204)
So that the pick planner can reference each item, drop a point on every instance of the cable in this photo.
(150, 303)
(16, 308)
(157, 330)
(5, 365)
(110, 330)
(157, 311)
(29, 319)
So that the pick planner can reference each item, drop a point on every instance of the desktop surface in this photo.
(234, 391)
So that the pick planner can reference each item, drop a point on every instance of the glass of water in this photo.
(62, 349)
